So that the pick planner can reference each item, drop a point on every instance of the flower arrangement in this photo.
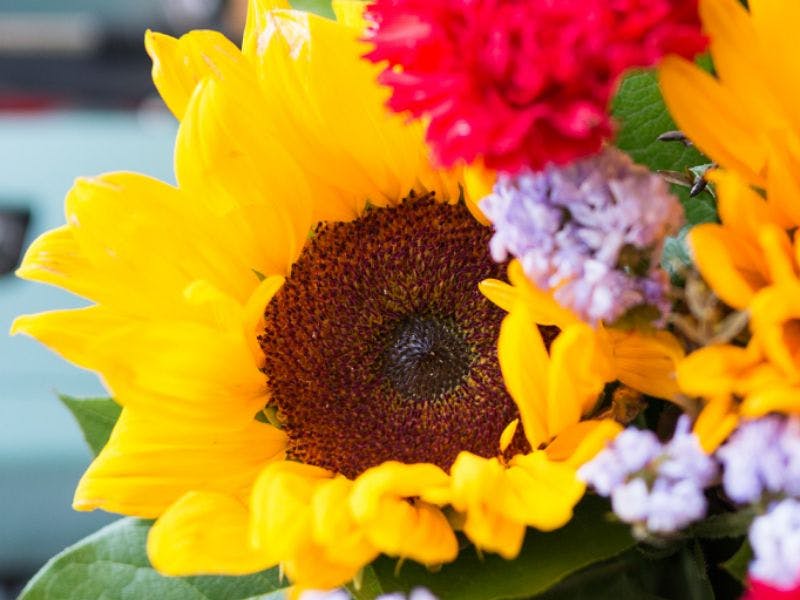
(443, 304)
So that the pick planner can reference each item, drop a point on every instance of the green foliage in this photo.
(112, 565)
(96, 417)
(680, 574)
(642, 116)
(546, 558)
(738, 563)
(319, 7)
(724, 525)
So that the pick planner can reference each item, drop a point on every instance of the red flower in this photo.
(521, 82)
(760, 590)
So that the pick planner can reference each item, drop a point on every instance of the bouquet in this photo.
(451, 299)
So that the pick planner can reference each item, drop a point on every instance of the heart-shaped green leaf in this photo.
(112, 565)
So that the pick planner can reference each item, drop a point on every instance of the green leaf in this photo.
(546, 558)
(641, 115)
(737, 564)
(319, 7)
(725, 525)
(368, 586)
(96, 417)
(678, 572)
(112, 565)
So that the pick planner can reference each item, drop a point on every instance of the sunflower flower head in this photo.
(304, 364)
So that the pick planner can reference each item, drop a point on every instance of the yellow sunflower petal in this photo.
(353, 145)
(776, 323)
(715, 422)
(578, 371)
(204, 533)
(774, 24)
(714, 370)
(544, 309)
(397, 527)
(198, 375)
(779, 398)
(254, 313)
(56, 258)
(180, 64)
(311, 570)
(257, 11)
(282, 522)
(712, 116)
(150, 463)
(478, 487)
(579, 443)
(350, 13)
(499, 292)
(114, 244)
(222, 145)
(740, 207)
(334, 527)
(545, 491)
(783, 184)
(524, 363)
(737, 57)
(478, 183)
(72, 333)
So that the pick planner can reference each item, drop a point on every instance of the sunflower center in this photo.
(379, 346)
(425, 357)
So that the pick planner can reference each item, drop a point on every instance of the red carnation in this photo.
(521, 82)
(760, 590)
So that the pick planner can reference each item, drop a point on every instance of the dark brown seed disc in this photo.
(380, 347)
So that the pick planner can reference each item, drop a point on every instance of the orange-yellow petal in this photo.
(579, 443)
(712, 116)
(646, 362)
(716, 422)
(733, 267)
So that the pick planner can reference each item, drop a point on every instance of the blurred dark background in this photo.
(75, 99)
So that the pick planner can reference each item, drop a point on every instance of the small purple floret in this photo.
(775, 539)
(592, 231)
(762, 457)
(657, 487)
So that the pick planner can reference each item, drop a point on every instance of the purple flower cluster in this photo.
(775, 539)
(655, 486)
(593, 231)
(762, 457)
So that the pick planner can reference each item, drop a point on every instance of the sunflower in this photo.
(753, 265)
(307, 369)
(746, 118)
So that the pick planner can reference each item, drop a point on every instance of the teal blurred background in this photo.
(75, 99)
